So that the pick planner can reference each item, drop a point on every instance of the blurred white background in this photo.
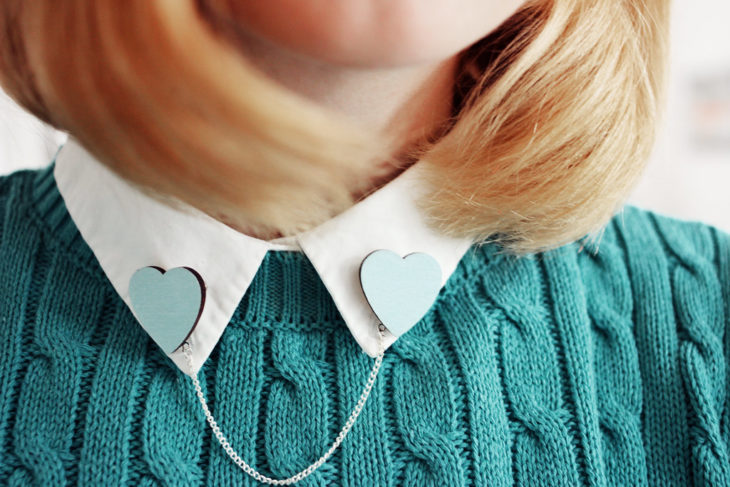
(25, 141)
(689, 172)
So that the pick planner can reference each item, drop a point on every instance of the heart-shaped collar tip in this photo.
(400, 290)
(168, 304)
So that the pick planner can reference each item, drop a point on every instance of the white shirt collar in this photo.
(128, 230)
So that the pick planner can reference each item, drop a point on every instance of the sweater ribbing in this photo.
(566, 367)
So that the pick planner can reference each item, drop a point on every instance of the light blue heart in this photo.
(167, 304)
(400, 290)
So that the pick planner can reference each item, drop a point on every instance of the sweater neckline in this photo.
(258, 307)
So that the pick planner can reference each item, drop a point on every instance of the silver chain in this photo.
(187, 350)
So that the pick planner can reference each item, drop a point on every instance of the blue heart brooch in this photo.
(167, 304)
(400, 291)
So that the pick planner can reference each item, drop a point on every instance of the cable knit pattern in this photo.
(579, 366)
(615, 363)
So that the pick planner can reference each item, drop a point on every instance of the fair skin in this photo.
(386, 64)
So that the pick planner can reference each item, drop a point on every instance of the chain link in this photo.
(187, 350)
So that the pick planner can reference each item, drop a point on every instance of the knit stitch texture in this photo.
(569, 367)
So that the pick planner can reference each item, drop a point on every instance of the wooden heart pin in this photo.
(168, 304)
(400, 290)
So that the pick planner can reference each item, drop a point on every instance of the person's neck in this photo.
(414, 101)
(378, 98)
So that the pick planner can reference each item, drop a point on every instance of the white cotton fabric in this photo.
(128, 230)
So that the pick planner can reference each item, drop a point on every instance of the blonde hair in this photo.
(554, 116)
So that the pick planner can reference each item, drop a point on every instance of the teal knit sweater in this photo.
(564, 368)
